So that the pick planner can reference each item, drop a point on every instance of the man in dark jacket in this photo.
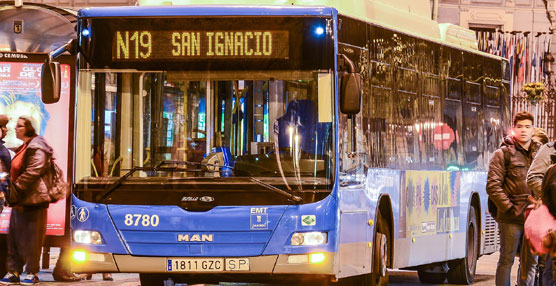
(507, 188)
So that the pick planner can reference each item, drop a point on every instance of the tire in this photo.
(361, 280)
(431, 277)
(462, 271)
(379, 275)
(151, 279)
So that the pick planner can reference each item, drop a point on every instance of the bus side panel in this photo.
(358, 204)
(433, 212)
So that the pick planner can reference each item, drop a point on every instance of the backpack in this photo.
(58, 187)
(54, 180)
(492, 209)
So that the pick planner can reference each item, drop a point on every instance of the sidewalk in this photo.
(124, 279)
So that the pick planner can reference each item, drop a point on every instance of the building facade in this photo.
(522, 31)
(505, 15)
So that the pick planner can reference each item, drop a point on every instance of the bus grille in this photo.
(221, 243)
(492, 237)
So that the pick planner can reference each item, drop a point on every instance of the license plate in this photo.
(237, 264)
(207, 264)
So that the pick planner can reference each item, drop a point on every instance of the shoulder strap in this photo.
(506, 157)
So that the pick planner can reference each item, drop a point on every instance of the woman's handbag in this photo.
(13, 196)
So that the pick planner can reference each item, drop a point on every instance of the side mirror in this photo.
(51, 75)
(50, 82)
(350, 93)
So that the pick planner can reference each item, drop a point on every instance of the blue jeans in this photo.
(511, 236)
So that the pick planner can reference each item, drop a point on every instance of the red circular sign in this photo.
(443, 137)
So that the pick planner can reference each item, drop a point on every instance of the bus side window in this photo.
(493, 112)
(473, 134)
(431, 131)
(453, 116)
(406, 109)
(378, 106)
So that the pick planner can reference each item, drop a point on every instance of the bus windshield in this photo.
(205, 131)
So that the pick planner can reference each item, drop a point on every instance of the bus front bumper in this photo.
(268, 264)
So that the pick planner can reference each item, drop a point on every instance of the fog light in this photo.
(79, 255)
(297, 259)
(316, 257)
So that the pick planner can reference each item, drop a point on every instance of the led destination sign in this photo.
(143, 45)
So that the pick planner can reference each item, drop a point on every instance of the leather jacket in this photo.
(506, 184)
(36, 169)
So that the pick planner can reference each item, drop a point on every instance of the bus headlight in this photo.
(87, 237)
(309, 238)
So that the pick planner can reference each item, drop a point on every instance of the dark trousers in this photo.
(511, 236)
(547, 279)
(3, 254)
(25, 239)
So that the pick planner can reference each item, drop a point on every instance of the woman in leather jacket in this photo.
(29, 172)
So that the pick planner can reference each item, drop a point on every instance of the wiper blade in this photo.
(110, 188)
(291, 197)
(190, 163)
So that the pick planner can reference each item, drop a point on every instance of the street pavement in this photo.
(486, 267)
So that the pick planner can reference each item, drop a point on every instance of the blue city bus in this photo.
(302, 144)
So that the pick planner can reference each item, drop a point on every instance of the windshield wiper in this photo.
(291, 197)
(190, 163)
(110, 188)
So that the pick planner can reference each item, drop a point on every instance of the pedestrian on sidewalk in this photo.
(535, 177)
(29, 198)
(5, 166)
(507, 189)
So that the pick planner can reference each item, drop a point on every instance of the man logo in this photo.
(195, 237)
(18, 26)
(206, 199)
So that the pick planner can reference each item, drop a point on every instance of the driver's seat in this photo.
(298, 121)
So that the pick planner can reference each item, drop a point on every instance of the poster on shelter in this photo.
(20, 94)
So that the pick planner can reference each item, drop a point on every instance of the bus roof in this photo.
(386, 13)
(227, 10)
(416, 14)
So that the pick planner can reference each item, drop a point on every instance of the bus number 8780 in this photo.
(145, 220)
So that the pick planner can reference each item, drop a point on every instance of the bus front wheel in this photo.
(151, 279)
(379, 275)
(462, 271)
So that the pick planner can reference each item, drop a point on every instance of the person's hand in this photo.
(549, 242)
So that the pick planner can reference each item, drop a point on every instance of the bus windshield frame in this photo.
(286, 61)
(160, 123)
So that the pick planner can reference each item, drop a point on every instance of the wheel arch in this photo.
(385, 208)
(475, 202)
